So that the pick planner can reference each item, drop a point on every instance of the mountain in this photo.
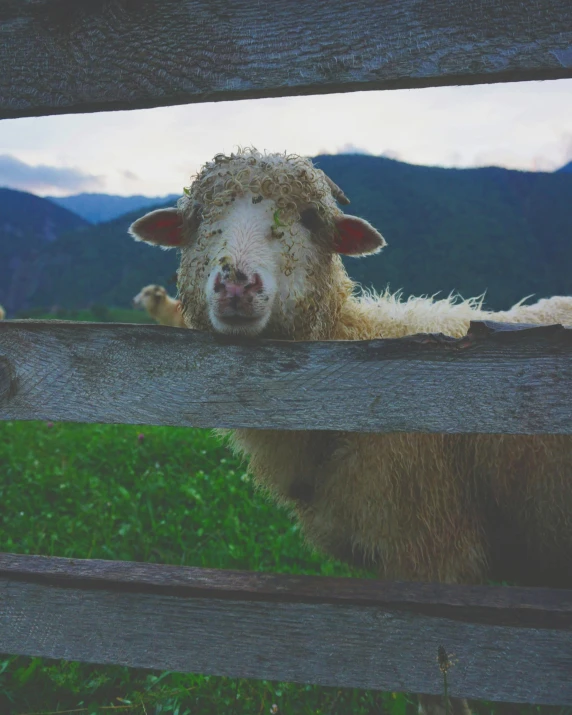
(97, 208)
(100, 264)
(508, 233)
(567, 168)
(28, 224)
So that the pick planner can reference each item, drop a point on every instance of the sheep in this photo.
(260, 238)
(160, 306)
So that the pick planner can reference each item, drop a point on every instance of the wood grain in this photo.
(84, 56)
(495, 380)
(338, 632)
(530, 607)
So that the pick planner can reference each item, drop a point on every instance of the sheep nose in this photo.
(238, 288)
(233, 290)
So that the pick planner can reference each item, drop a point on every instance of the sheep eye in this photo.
(310, 218)
(196, 216)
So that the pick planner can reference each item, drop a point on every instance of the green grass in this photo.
(146, 494)
(157, 494)
(98, 314)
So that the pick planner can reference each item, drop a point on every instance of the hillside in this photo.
(28, 224)
(101, 264)
(567, 168)
(508, 233)
(98, 208)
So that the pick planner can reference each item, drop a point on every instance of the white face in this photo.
(256, 269)
(259, 237)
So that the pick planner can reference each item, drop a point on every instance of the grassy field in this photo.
(148, 494)
(98, 314)
(168, 495)
(157, 494)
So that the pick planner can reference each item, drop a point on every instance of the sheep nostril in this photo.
(218, 284)
(256, 286)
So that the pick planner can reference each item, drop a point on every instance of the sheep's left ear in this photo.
(356, 237)
(163, 227)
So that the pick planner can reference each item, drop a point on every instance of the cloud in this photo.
(390, 154)
(349, 148)
(567, 142)
(502, 124)
(17, 174)
(542, 163)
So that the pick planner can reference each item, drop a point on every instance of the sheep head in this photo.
(260, 237)
(149, 297)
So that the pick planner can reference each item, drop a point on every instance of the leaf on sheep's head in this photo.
(356, 237)
(163, 227)
(276, 219)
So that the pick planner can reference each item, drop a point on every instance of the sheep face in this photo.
(256, 269)
(149, 297)
(259, 237)
(251, 272)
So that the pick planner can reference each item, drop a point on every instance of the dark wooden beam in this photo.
(62, 56)
(494, 380)
(509, 644)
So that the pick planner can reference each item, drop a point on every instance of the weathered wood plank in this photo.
(82, 56)
(530, 607)
(339, 632)
(491, 381)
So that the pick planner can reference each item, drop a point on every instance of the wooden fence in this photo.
(510, 644)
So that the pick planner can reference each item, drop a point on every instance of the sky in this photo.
(524, 125)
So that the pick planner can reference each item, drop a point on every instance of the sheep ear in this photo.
(163, 227)
(356, 237)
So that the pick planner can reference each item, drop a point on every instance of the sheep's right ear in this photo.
(163, 227)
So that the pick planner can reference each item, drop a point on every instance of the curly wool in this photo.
(294, 184)
(289, 180)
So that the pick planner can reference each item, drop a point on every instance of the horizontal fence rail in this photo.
(507, 644)
(83, 56)
(500, 378)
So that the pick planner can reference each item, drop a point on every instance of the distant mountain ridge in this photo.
(506, 233)
(28, 224)
(98, 208)
(101, 264)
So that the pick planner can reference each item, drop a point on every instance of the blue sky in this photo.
(525, 125)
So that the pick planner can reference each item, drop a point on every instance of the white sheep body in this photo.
(412, 506)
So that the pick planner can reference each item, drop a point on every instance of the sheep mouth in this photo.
(237, 324)
(239, 320)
